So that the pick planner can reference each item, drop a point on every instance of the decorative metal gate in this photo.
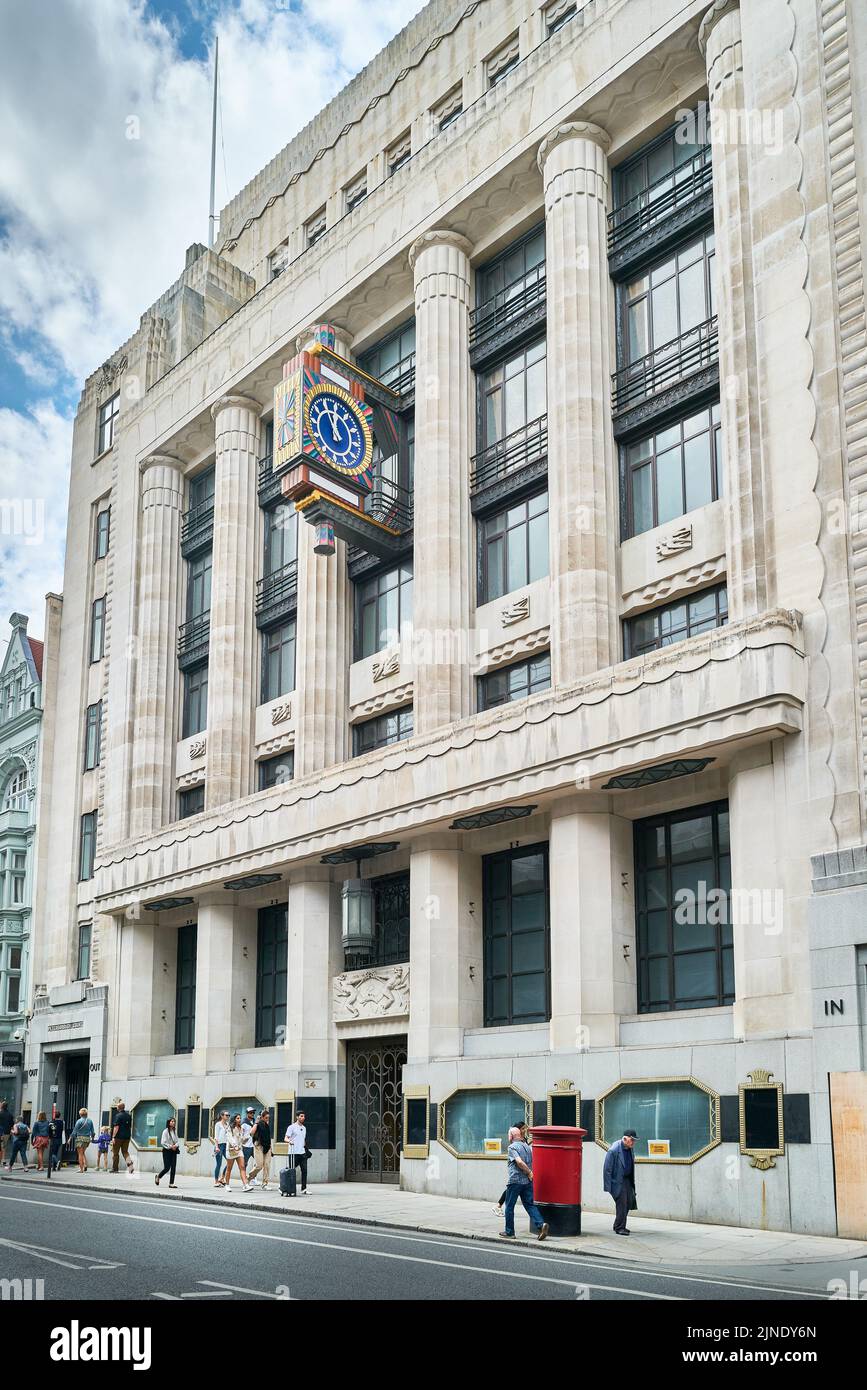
(75, 1076)
(374, 1108)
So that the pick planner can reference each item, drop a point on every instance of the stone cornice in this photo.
(718, 9)
(572, 130)
(438, 236)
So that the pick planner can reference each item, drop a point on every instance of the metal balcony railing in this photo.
(193, 637)
(390, 504)
(523, 446)
(401, 377)
(277, 591)
(197, 525)
(525, 298)
(268, 485)
(665, 365)
(667, 195)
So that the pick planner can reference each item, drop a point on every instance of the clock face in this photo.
(339, 431)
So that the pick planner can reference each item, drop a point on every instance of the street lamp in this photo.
(358, 922)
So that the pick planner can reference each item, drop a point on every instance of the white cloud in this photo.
(34, 472)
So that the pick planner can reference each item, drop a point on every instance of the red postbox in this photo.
(557, 1153)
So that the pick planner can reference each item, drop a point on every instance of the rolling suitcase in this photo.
(287, 1181)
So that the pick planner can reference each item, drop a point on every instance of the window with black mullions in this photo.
(674, 622)
(83, 953)
(663, 174)
(278, 661)
(383, 605)
(87, 846)
(517, 970)
(515, 682)
(281, 537)
(392, 358)
(273, 772)
(191, 801)
(271, 975)
(185, 990)
(202, 488)
(97, 629)
(382, 731)
(673, 471)
(661, 304)
(513, 394)
(683, 920)
(390, 924)
(108, 414)
(513, 547)
(195, 711)
(92, 736)
(103, 521)
(199, 585)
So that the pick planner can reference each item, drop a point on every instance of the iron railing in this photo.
(526, 445)
(667, 195)
(665, 365)
(193, 637)
(401, 378)
(197, 524)
(268, 484)
(508, 306)
(277, 590)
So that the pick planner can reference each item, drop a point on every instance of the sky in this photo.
(105, 110)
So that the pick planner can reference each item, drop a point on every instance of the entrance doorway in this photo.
(75, 1079)
(374, 1109)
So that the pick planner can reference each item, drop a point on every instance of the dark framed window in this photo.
(449, 108)
(202, 488)
(390, 360)
(383, 730)
(557, 15)
(195, 712)
(383, 605)
(674, 622)
(92, 736)
(673, 471)
(97, 629)
(517, 955)
(399, 154)
(655, 173)
(87, 846)
(274, 771)
(660, 304)
(278, 661)
(682, 897)
(512, 394)
(107, 418)
(511, 272)
(316, 227)
(185, 989)
(513, 547)
(503, 62)
(281, 537)
(82, 959)
(390, 924)
(199, 571)
(514, 682)
(103, 526)
(271, 975)
(191, 801)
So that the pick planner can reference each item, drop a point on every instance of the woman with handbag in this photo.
(171, 1149)
(235, 1153)
(83, 1135)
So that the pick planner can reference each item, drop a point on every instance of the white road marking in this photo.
(280, 1297)
(72, 1260)
(352, 1250)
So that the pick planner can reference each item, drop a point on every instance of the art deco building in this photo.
(549, 799)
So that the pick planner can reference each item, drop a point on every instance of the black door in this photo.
(76, 1072)
(374, 1109)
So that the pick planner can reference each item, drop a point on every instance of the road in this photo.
(89, 1246)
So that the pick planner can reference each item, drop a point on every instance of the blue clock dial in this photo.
(336, 431)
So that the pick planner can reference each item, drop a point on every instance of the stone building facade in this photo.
(591, 741)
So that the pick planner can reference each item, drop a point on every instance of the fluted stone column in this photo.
(443, 412)
(720, 41)
(313, 957)
(155, 716)
(582, 475)
(445, 948)
(232, 696)
(225, 984)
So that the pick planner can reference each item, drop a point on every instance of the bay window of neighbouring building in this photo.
(673, 622)
(271, 975)
(15, 792)
(682, 909)
(185, 989)
(19, 874)
(382, 731)
(12, 1002)
(517, 970)
(383, 609)
(513, 547)
(514, 682)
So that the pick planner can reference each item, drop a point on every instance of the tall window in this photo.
(97, 629)
(281, 537)
(516, 937)
(271, 975)
(661, 176)
(87, 846)
(683, 883)
(278, 661)
(390, 924)
(391, 359)
(673, 622)
(515, 682)
(513, 393)
(673, 471)
(513, 547)
(185, 990)
(382, 731)
(662, 303)
(15, 797)
(195, 715)
(82, 962)
(92, 736)
(19, 867)
(103, 523)
(202, 488)
(108, 414)
(510, 274)
(383, 605)
(199, 585)
(13, 980)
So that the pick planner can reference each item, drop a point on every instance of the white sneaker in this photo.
(247, 1187)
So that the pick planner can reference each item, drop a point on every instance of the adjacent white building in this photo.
(588, 741)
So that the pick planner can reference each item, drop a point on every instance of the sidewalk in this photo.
(653, 1242)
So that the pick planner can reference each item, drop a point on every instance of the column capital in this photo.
(439, 236)
(717, 11)
(240, 402)
(573, 130)
(161, 461)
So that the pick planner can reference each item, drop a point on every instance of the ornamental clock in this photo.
(337, 426)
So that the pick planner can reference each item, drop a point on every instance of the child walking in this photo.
(103, 1145)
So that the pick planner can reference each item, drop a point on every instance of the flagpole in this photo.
(211, 218)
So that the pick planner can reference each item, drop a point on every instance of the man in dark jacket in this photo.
(56, 1128)
(5, 1131)
(618, 1178)
(120, 1137)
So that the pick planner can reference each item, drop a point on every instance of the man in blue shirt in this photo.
(520, 1184)
(618, 1178)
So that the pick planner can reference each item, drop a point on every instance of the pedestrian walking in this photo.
(103, 1144)
(261, 1150)
(171, 1149)
(618, 1178)
(40, 1138)
(235, 1153)
(296, 1138)
(58, 1130)
(519, 1186)
(120, 1137)
(247, 1126)
(20, 1140)
(6, 1122)
(221, 1134)
(82, 1137)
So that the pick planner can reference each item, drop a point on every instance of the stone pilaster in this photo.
(323, 653)
(232, 696)
(720, 41)
(445, 948)
(441, 591)
(155, 716)
(225, 984)
(313, 957)
(582, 477)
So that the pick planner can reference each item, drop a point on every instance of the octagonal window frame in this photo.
(714, 1126)
(521, 1097)
(152, 1100)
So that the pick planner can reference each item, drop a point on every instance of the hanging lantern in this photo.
(358, 925)
(324, 542)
